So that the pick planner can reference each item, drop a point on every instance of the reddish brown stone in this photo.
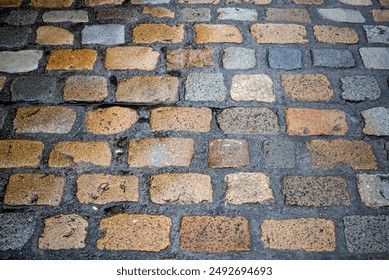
(228, 153)
(178, 59)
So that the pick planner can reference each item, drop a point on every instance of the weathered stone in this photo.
(307, 87)
(48, 119)
(279, 153)
(106, 188)
(76, 16)
(51, 3)
(160, 152)
(256, 2)
(374, 189)
(342, 15)
(308, 234)
(217, 33)
(16, 228)
(228, 153)
(158, 33)
(63, 232)
(238, 14)
(384, 2)
(316, 191)
(218, 234)
(85, 88)
(9, 4)
(367, 234)
(181, 119)
(248, 120)
(295, 15)
(181, 58)
(34, 189)
(308, 2)
(19, 61)
(111, 120)
(329, 153)
(103, 34)
(375, 58)
(21, 17)
(195, 15)
(239, 58)
(198, 1)
(20, 153)
(376, 121)
(139, 232)
(83, 59)
(3, 115)
(158, 12)
(117, 14)
(67, 154)
(285, 58)
(205, 87)
(2, 81)
(35, 88)
(130, 58)
(360, 88)
(333, 58)
(257, 87)
(335, 35)
(277, 33)
(380, 15)
(377, 33)
(103, 2)
(153, 2)
(148, 89)
(248, 188)
(52, 35)
(184, 188)
(357, 2)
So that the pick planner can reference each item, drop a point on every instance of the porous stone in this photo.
(333, 58)
(374, 189)
(16, 229)
(48, 119)
(228, 153)
(380, 15)
(103, 2)
(106, 188)
(330, 153)
(35, 88)
(14, 37)
(217, 33)
(160, 152)
(248, 120)
(110, 120)
(148, 89)
(307, 234)
(138, 232)
(181, 58)
(117, 14)
(85, 88)
(21, 17)
(76, 16)
(357, 2)
(218, 234)
(103, 34)
(285, 58)
(158, 12)
(183, 188)
(375, 58)
(20, 153)
(294, 15)
(10, 3)
(279, 153)
(245, 188)
(376, 121)
(131, 58)
(20, 61)
(34, 189)
(256, 87)
(238, 14)
(63, 232)
(342, 15)
(51, 3)
(52, 35)
(367, 234)
(158, 33)
(377, 33)
(360, 88)
(335, 35)
(307, 87)
(205, 87)
(195, 15)
(239, 58)
(316, 191)
(278, 33)
(67, 59)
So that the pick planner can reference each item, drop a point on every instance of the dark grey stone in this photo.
(117, 14)
(3, 114)
(367, 234)
(15, 230)
(285, 58)
(14, 36)
(279, 153)
(21, 17)
(35, 88)
(333, 58)
(360, 88)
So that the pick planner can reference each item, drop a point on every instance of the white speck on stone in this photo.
(375, 58)
(342, 15)
(20, 61)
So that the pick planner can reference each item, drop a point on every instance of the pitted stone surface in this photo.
(333, 58)
(374, 189)
(15, 230)
(375, 58)
(35, 88)
(285, 58)
(360, 88)
(19, 61)
(377, 33)
(239, 58)
(279, 153)
(21, 17)
(342, 15)
(376, 121)
(205, 87)
(252, 88)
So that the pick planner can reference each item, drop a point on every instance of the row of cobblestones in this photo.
(194, 129)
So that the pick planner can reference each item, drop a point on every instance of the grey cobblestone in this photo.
(279, 153)
(195, 15)
(11, 37)
(205, 87)
(377, 33)
(34, 88)
(375, 58)
(21, 17)
(342, 15)
(285, 58)
(333, 58)
(104, 34)
(15, 230)
(20, 61)
(360, 88)
(376, 121)
(237, 14)
(239, 58)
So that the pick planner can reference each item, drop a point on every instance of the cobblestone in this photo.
(14, 37)
(277, 33)
(376, 121)
(128, 58)
(217, 33)
(52, 35)
(257, 87)
(85, 88)
(72, 59)
(205, 87)
(360, 88)
(19, 61)
(2, 81)
(158, 12)
(237, 14)
(11, 3)
(228, 153)
(178, 59)
(357, 2)
(35, 88)
(333, 58)
(195, 15)
(285, 58)
(239, 58)
(374, 189)
(104, 34)
(293, 15)
(279, 153)
(76, 16)
(51, 3)
(20, 153)
(375, 58)
(117, 14)
(342, 15)
(21, 17)
(377, 33)
(16, 229)
(158, 33)
(380, 15)
(336, 35)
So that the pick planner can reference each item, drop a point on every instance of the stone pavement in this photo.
(194, 129)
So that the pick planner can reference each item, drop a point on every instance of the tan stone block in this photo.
(380, 15)
(256, 2)
(103, 2)
(336, 35)
(158, 12)
(224, 153)
(181, 188)
(51, 3)
(52, 35)
(131, 58)
(158, 33)
(277, 33)
(10, 3)
(110, 120)
(178, 59)
(297, 15)
(83, 59)
(141, 232)
(85, 88)
(34, 189)
(20, 153)
(257, 87)
(217, 33)
(107, 188)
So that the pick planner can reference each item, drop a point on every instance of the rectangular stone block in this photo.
(75, 16)
(67, 59)
(277, 33)
(20, 61)
(158, 33)
(20, 153)
(225, 153)
(217, 33)
(103, 34)
(333, 58)
(131, 58)
(375, 58)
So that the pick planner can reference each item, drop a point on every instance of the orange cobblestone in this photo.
(72, 60)
(20, 153)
